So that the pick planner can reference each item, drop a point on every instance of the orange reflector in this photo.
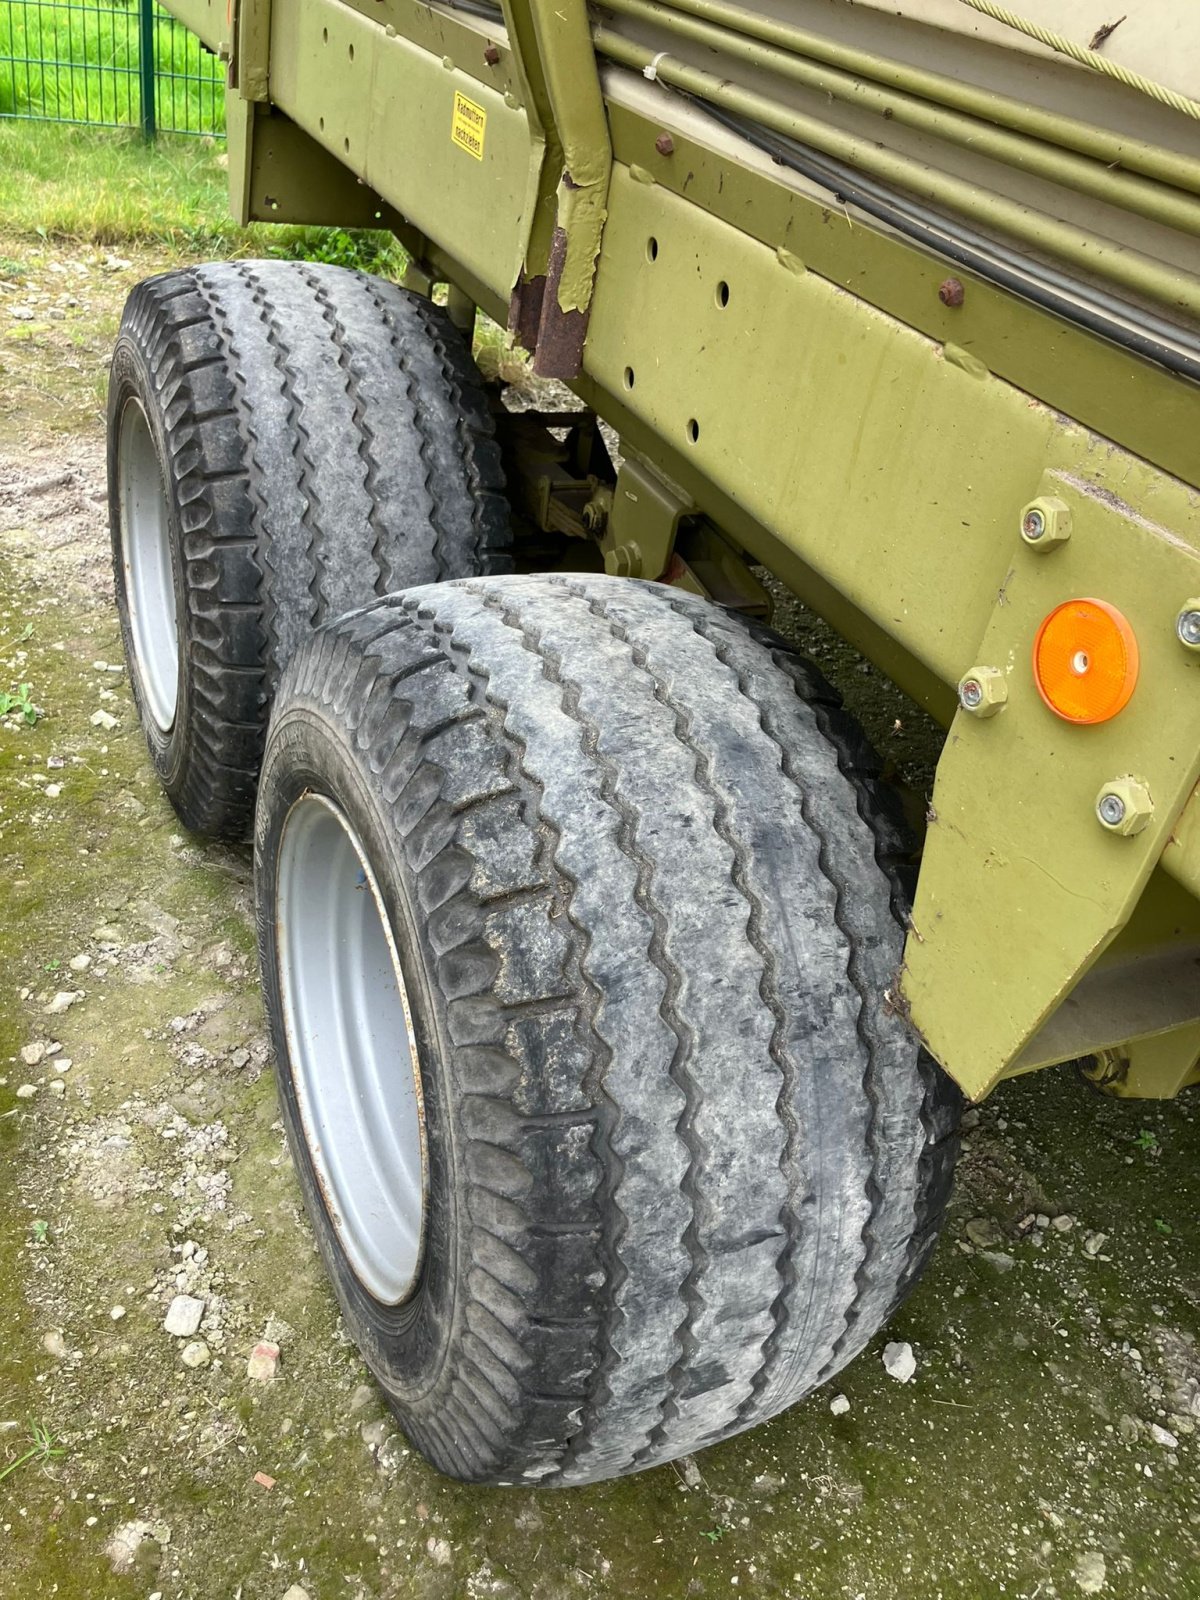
(1085, 661)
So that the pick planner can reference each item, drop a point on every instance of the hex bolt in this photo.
(665, 145)
(1045, 523)
(983, 691)
(951, 292)
(491, 54)
(1187, 625)
(1124, 806)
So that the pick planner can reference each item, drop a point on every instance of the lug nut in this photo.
(1124, 806)
(1045, 523)
(1187, 625)
(983, 691)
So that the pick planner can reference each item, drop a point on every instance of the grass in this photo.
(109, 187)
(80, 63)
(43, 1448)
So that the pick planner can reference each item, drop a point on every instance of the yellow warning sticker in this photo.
(469, 126)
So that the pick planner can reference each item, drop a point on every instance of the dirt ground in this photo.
(1047, 1445)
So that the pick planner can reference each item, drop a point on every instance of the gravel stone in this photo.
(183, 1316)
(263, 1363)
(839, 1405)
(899, 1361)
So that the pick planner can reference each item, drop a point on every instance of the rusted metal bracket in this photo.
(549, 309)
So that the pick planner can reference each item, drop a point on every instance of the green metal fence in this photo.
(118, 64)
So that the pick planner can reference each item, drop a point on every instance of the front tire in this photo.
(682, 1159)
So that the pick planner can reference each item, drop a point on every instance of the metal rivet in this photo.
(1187, 625)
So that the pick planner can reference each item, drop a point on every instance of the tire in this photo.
(681, 1160)
(285, 442)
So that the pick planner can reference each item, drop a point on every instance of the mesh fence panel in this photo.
(71, 61)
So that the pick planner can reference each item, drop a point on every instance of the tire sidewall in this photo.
(131, 380)
(404, 1345)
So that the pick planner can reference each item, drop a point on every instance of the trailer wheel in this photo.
(576, 927)
(285, 442)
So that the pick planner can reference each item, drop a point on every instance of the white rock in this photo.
(296, 1593)
(54, 1343)
(63, 1001)
(1164, 1437)
(195, 1354)
(117, 1313)
(839, 1405)
(438, 1551)
(53, 790)
(32, 1054)
(899, 1361)
(183, 1316)
(63, 1064)
(57, 1088)
(103, 719)
(80, 963)
(26, 1091)
(1091, 1572)
(1093, 1243)
(1063, 1223)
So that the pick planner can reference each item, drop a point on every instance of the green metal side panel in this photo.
(897, 467)
(387, 110)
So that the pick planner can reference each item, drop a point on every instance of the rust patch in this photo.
(560, 337)
(525, 310)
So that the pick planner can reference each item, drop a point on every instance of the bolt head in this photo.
(664, 144)
(983, 691)
(1124, 806)
(1187, 625)
(491, 54)
(951, 292)
(1045, 523)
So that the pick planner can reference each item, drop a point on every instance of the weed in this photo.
(43, 1448)
(363, 250)
(1163, 1226)
(19, 702)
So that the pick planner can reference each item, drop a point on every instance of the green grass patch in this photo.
(81, 63)
(106, 187)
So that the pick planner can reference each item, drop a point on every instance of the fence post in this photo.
(146, 62)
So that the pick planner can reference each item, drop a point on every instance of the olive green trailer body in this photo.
(905, 302)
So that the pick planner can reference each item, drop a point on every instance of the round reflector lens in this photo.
(1085, 661)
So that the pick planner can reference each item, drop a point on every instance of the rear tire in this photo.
(682, 1159)
(286, 441)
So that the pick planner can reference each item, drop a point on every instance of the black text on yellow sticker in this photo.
(468, 126)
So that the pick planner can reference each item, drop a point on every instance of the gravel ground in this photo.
(1027, 1427)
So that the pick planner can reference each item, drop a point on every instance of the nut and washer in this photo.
(1046, 523)
(983, 691)
(1187, 625)
(1124, 806)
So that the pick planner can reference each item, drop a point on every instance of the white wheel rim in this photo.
(146, 558)
(351, 1046)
